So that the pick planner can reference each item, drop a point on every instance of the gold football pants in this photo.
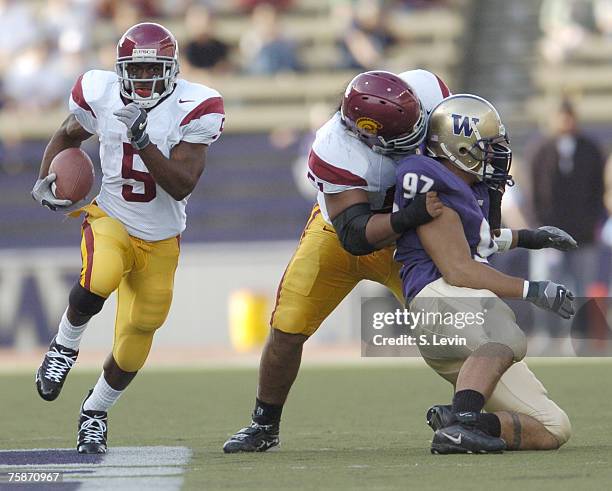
(321, 273)
(142, 273)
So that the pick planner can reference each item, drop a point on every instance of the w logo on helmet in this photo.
(461, 124)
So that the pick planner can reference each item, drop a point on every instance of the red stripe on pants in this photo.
(89, 246)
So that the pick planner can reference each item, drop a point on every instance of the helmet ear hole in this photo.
(463, 151)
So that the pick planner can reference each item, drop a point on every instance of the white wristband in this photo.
(504, 241)
(525, 289)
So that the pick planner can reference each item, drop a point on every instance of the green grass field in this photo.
(343, 428)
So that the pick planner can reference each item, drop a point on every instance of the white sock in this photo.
(102, 397)
(69, 335)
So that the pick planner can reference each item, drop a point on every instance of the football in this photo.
(75, 174)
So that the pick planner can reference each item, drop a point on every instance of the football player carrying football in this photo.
(445, 272)
(350, 234)
(154, 130)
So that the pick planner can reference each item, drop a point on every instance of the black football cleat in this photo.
(51, 375)
(465, 438)
(440, 416)
(92, 432)
(253, 438)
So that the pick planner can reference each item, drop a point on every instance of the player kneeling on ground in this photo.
(154, 130)
(444, 272)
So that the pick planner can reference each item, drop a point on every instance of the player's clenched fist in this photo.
(551, 296)
(135, 119)
(433, 204)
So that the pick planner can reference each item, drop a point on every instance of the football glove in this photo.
(135, 119)
(544, 237)
(43, 194)
(551, 296)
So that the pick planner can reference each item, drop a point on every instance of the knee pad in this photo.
(84, 301)
(131, 350)
(560, 426)
(150, 315)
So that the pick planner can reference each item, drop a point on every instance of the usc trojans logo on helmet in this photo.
(368, 124)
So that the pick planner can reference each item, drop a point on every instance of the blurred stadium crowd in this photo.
(56, 40)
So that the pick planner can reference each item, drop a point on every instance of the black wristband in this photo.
(412, 216)
(528, 239)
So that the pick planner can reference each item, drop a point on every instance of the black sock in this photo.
(468, 401)
(266, 414)
(489, 423)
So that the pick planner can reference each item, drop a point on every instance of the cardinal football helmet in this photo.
(467, 130)
(383, 111)
(147, 43)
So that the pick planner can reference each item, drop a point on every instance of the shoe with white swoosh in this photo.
(92, 430)
(52, 373)
(464, 438)
(253, 438)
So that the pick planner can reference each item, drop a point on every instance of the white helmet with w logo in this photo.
(467, 130)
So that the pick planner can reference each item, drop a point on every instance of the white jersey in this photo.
(339, 161)
(192, 113)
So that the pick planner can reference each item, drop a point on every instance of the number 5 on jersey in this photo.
(411, 184)
(128, 172)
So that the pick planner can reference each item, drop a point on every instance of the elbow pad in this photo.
(350, 227)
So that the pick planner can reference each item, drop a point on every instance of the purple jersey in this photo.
(418, 174)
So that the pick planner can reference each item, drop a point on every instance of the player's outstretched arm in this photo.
(444, 240)
(540, 238)
(361, 232)
(545, 237)
(69, 135)
(177, 175)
